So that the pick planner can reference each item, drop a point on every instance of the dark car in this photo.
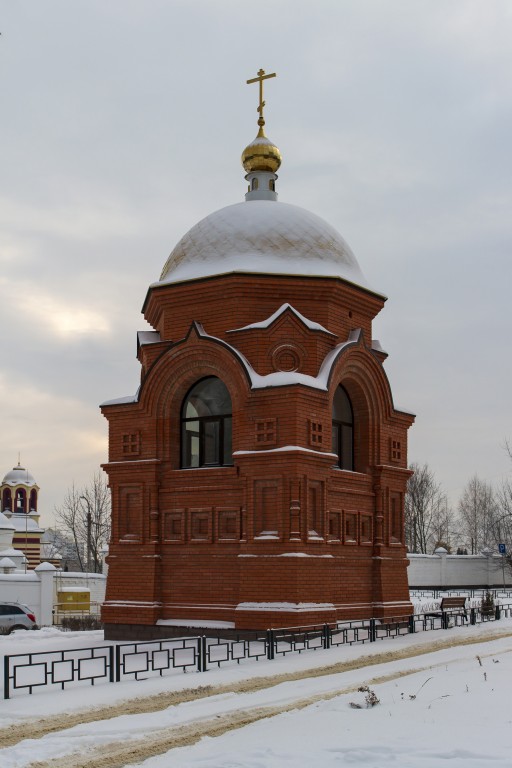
(16, 616)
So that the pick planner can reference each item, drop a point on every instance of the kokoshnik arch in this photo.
(258, 475)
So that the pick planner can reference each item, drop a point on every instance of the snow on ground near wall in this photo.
(435, 707)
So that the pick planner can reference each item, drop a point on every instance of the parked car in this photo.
(16, 616)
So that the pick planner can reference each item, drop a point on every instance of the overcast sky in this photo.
(122, 124)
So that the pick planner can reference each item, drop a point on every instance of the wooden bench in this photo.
(454, 605)
(450, 606)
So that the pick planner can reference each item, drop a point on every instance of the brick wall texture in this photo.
(284, 536)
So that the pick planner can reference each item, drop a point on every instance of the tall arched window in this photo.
(7, 500)
(20, 501)
(343, 429)
(206, 425)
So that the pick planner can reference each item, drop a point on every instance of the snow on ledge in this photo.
(195, 623)
(285, 449)
(276, 379)
(121, 400)
(313, 326)
(285, 554)
(295, 607)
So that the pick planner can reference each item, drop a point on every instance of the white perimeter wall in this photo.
(443, 570)
(38, 589)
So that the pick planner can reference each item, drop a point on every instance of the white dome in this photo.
(5, 523)
(19, 476)
(266, 237)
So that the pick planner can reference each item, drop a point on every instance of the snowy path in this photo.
(112, 740)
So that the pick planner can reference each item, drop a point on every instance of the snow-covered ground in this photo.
(444, 698)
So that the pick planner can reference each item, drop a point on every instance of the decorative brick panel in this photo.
(174, 526)
(229, 524)
(131, 444)
(350, 528)
(395, 451)
(267, 516)
(265, 432)
(200, 525)
(315, 434)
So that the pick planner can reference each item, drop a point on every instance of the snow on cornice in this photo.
(147, 337)
(285, 449)
(292, 607)
(122, 400)
(313, 326)
(276, 379)
(287, 378)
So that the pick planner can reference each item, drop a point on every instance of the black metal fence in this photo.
(417, 593)
(56, 670)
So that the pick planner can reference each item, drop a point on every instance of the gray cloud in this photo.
(122, 125)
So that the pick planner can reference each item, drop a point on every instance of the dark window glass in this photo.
(343, 429)
(206, 425)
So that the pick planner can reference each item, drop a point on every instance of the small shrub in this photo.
(487, 605)
(80, 623)
(370, 698)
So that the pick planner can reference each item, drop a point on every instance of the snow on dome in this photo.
(19, 476)
(5, 523)
(262, 236)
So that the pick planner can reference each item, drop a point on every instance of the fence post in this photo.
(472, 619)
(412, 626)
(270, 644)
(327, 636)
(497, 614)
(373, 631)
(111, 662)
(204, 652)
(118, 663)
(6, 677)
(199, 655)
(444, 620)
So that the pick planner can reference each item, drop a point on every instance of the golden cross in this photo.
(259, 79)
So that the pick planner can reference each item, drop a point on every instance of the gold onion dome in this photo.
(261, 155)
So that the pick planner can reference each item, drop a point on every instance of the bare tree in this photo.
(477, 515)
(56, 546)
(85, 517)
(503, 521)
(427, 515)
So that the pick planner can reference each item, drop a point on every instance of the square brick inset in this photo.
(350, 528)
(200, 525)
(315, 434)
(174, 526)
(265, 432)
(229, 524)
(131, 443)
(366, 529)
(395, 450)
(334, 533)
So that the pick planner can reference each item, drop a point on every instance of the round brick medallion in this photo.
(286, 358)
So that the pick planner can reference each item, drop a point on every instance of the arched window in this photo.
(7, 500)
(33, 500)
(20, 502)
(206, 425)
(343, 429)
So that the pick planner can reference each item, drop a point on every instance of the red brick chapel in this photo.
(258, 475)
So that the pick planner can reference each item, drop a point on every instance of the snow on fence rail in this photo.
(55, 670)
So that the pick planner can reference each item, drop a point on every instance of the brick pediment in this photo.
(284, 341)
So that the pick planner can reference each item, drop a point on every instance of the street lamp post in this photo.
(89, 532)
